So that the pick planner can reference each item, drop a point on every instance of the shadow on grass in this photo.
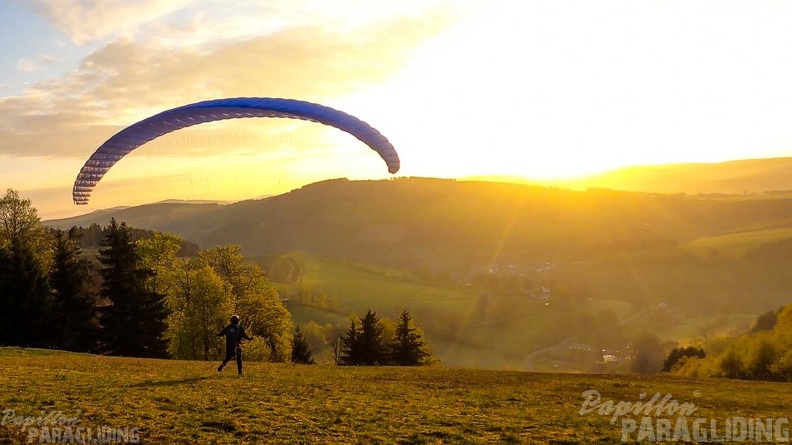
(155, 383)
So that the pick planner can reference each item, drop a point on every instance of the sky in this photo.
(538, 89)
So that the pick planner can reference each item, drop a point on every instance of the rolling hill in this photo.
(732, 177)
(456, 225)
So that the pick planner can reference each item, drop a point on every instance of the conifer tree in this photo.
(409, 346)
(350, 349)
(70, 280)
(26, 312)
(134, 323)
(370, 341)
(300, 351)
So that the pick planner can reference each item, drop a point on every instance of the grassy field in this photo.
(361, 287)
(189, 402)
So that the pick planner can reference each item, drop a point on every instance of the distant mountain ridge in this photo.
(731, 177)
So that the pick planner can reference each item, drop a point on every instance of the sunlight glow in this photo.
(536, 89)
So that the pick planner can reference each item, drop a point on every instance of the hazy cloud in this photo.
(35, 63)
(87, 20)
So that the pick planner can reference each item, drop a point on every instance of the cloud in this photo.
(88, 20)
(191, 22)
(127, 80)
(35, 63)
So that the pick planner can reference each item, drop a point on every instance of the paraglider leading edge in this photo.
(135, 135)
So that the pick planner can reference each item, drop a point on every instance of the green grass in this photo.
(181, 402)
(360, 287)
(301, 315)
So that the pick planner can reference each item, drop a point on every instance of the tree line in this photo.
(764, 353)
(93, 235)
(141, 299)
(365, 343)
(46, 295)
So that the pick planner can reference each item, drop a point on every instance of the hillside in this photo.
(185, 402)
(173, 217)
(450, 225)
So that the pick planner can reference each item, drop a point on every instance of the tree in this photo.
(319, 299)
(134, 323)
(765, 321)
(648, 354)
(731, 365)
(198, 298)
(26, 315)
(26, 311)
(349, 346)
(335, 337)
(200, 303)
(259, 305)
(300, 351)
(70, 280)
(159, 254)
(20, 224)
(760, 358)
(409, 346)
(675, 356)
(316, 336)
(364, 345)
(373, 350)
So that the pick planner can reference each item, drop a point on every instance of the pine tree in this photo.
(134, 323)
(371, 341)
(26, 314)
(765, 321)
(350, 349)
(70, 280)
(300, 351)
(364, 345)
(409, 347)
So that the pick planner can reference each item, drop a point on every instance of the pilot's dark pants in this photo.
(232, 351)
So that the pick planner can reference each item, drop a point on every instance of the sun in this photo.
(464, 105)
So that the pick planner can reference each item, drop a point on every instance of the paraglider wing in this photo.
(132, 137)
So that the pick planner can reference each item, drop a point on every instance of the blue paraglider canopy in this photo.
(132, 137)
